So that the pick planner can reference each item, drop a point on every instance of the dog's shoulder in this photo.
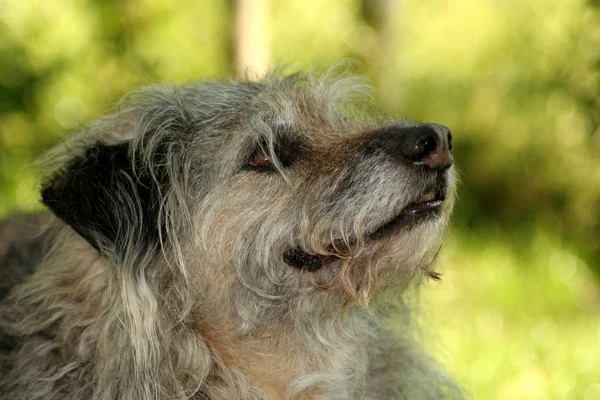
(21, 249)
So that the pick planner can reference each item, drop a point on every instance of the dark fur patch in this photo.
(302, 260)
(104, 200)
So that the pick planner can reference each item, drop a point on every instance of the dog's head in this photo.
(276, 187)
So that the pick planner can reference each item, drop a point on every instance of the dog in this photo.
(233, 240)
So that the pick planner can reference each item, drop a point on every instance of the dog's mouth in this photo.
(426, 207)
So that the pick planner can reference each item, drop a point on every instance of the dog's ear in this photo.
(108, 199)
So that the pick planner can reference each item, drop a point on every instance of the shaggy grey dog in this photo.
(237, 240)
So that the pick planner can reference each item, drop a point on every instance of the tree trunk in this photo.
(252, 50)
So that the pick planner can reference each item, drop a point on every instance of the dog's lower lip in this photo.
(420, 207)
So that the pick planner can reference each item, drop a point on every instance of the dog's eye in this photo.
(285, 151)
(259, 160)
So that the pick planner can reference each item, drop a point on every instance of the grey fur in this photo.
(211, 311)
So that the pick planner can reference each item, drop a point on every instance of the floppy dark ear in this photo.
(104, 200)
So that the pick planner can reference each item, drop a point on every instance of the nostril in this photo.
(427, 145)
(449, 141)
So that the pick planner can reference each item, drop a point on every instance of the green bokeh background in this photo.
(518, 82)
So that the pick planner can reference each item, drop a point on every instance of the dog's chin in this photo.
(426, 208)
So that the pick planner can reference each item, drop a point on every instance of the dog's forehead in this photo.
(295, 104)
(316, 112)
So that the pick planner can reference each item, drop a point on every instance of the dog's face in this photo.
(272, 186)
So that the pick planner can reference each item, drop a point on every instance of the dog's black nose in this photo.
(427, 144)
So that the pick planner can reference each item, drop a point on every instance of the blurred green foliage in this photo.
(517, 82)
(517, 328)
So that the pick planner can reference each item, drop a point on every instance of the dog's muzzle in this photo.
(426, 147)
